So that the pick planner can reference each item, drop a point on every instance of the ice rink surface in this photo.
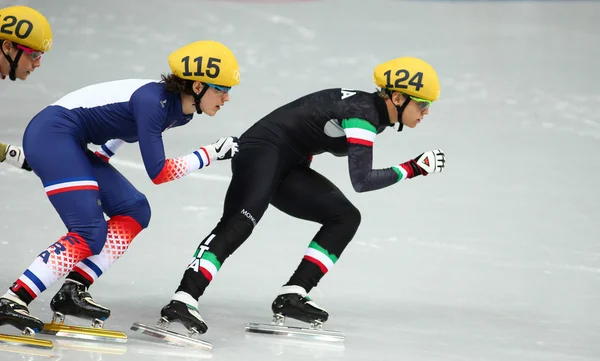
(497, 258)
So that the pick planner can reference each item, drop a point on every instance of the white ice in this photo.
(497, 258)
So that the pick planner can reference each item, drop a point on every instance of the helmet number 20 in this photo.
(403, 74)
(22, 30)
(212, 67)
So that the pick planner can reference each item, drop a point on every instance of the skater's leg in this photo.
(73, 191)
(129, 213)
(308, 195)
(256, 171)
(71, 187)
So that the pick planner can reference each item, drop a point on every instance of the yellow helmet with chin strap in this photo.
(28, 29)
(206, 61)
(411, 76)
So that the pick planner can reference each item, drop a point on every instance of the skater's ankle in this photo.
(185, 298)
(77, 278)
(10, 295)
(293, 289)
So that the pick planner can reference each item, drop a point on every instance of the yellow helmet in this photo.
(207, 61)
(26, 26)
(408, 75)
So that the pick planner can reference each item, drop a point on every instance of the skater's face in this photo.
(28, 61)
(214, 98)
(414, 112)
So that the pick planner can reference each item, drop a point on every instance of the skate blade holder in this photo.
(94, 333)
(28, 340)
(161, 332)
(314, 332)
(59, 319)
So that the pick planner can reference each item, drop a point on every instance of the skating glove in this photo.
(14, 155)
(425, 163)
(223, 149)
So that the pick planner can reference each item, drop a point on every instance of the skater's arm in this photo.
(108, 149)
(149, 116)
(360, 135)
(13, 155)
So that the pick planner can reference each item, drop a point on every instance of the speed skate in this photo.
(293, 302)
(182, 310)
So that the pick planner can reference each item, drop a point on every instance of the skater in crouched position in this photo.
(25, 37)
(273, 167)
(83, 186)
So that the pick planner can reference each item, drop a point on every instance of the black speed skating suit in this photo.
(273, 167)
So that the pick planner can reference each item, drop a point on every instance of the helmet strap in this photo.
(13, 63)
(399, 108)
(197, 98)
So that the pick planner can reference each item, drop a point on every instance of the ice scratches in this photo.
(306, 33)
(581, 268)
(377, 243)
(436, 244)
(289, 23)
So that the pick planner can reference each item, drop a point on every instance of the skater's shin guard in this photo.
(52, 264)
(121, 232)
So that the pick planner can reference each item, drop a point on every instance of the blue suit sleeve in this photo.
(149, 117)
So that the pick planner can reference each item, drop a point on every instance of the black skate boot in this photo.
(181, 309)
(73, 300)
(293, 302)
(14, 312)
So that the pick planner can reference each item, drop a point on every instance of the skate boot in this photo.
(14, 312)
(181, 309)
(73, 300)
(293, 302)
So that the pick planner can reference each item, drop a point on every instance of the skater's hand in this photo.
(223, 149)
(15, 156)
(432, 161)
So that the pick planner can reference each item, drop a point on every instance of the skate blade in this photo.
(296, 332)
(171, 337)
(26, 341)
(84, 333)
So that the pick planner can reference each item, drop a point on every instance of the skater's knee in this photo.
(138, 208)
(345, 213)
(230, 235)
(240, 229)
(352, 215)
(141, 211)
(94, 234)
